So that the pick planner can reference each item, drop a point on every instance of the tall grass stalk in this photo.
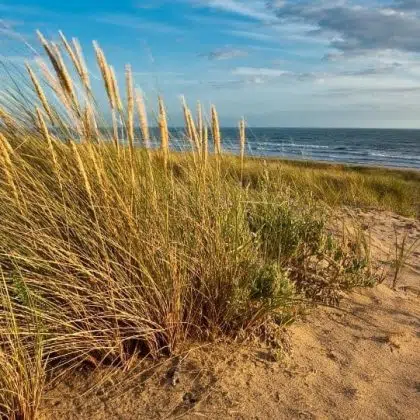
(83, 71)
(216, 131)
(130, 109)
(242, 135)
(164, 132)
(7, 166)
(63, 76)
(109, 88)
(40, 92)
(200, 126)
(144, 125)
(403, 251)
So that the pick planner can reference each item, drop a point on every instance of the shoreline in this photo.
(325, 164)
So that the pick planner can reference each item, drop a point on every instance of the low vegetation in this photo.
(396, 190)
(111, 251)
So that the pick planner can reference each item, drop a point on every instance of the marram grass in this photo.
(110, 251)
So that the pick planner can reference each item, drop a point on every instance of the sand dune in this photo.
(360, 360)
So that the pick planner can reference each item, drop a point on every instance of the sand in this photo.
(361, 360)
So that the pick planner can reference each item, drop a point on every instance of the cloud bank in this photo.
(355, 28)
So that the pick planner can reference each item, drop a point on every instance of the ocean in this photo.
(378, 147)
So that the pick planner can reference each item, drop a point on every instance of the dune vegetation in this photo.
(396, 190)
(111, 250)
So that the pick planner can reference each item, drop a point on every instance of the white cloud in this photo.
(259, 72)
(226, 54)
(256, 36)
(128, 21)
(253, 9)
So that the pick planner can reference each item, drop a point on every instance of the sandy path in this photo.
(359, 361)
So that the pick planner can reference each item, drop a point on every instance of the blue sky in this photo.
(340, 63)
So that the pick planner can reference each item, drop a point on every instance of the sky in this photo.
(286, 63)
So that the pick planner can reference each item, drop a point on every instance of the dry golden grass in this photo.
(242, 134)
(216, 131)
(130, 108)
(144, 125)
